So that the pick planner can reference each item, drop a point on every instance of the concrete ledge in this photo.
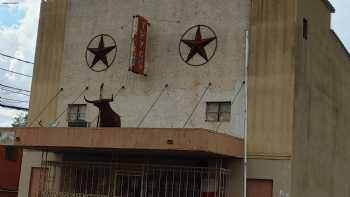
(176, 139)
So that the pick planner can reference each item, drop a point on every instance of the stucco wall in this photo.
(169, 20)
(279, 171)
(48, 63)
(321, 145)
(271, 78)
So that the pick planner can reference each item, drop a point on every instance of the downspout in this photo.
(246, 110)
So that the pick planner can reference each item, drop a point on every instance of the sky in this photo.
(18, 31)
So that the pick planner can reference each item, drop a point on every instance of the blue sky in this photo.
(340, 20)
(18, 30)
(15, 16)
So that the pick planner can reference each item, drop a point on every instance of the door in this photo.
(38, 176)
(259, 188)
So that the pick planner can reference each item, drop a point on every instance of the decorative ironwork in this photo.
(194, 51)
(95, 179)
(98, 56)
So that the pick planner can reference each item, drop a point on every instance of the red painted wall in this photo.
(9, 172)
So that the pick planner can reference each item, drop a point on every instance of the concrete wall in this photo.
(279, 171)
(48, 62)
(271, 92)
(321, 148)
(271, 78)
(169, 20)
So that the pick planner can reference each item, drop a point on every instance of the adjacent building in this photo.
(209, 94)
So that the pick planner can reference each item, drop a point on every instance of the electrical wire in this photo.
(15, 58)
(14, 100)
(14, 92)
(17, 73)
(14, 88)
(13, 107)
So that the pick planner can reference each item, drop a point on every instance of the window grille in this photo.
(87, 179)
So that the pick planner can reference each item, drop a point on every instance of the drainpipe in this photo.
(246, 110)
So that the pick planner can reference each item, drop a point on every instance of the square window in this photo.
(76, 112)
(218, 111)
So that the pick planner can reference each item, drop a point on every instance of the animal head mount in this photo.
(106, 117)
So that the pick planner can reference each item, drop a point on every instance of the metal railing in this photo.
(82, 179)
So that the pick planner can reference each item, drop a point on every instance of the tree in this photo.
(20, 120)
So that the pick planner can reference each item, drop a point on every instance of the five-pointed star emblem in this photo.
(101, 53)
(198, 45)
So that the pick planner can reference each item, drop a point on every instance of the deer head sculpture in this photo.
(107, 117)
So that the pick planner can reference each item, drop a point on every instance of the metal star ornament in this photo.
(101, 53)
(198, 45)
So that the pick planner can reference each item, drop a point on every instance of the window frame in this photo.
(77, 113)
(219, 111)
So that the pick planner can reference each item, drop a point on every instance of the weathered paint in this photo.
(271, 78)
(321, 148)
(48, 62)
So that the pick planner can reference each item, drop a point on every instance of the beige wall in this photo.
(279, 171)
(271, 78)
(48, 62)
(169, 20)
(32, 159)
(321, 153)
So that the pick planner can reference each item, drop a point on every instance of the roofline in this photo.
(329, 6)
(340, 42)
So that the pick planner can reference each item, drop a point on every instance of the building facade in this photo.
(218, 93)
(10, 162)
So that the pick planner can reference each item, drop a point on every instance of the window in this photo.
(76, 112)
(10, 153)
(218, 111)
(305, 28)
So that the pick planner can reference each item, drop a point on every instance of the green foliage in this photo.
(20, 120)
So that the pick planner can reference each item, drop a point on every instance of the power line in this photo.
(14, 100)
(14, 88)
(14, 107)
(17, 73)
(14, 92)
(15, 58)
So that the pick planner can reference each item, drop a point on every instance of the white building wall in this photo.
(169, 20)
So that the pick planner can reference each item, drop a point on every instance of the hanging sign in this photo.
(139, 45)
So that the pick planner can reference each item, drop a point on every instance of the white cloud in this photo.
(19, 41)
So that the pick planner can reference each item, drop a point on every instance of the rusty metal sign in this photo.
(101, 52)
(139, 45)
(198, 45)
